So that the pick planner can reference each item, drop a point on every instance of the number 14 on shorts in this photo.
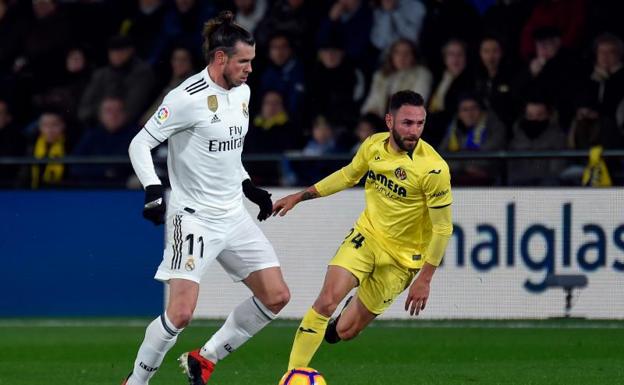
(357, 239)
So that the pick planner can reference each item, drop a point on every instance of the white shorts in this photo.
(193, 243)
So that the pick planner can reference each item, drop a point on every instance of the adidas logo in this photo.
(215, 119)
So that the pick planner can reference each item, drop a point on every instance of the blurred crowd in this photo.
(80, 77)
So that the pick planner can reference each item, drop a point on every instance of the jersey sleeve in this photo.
(437, 185)
(171, 117)
(347, 176)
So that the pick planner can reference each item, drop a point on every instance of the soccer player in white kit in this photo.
(205, 120)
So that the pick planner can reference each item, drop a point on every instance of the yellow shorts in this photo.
(381, 278)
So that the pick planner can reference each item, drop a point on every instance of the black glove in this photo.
(154, 209)
(260, 197)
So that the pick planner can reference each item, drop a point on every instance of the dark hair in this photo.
(388, 67)
(470, 95)
(608, 38)
(222, 33)
(405, 97)
(546, 33)
(375, 121)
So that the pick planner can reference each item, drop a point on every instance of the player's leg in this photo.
(185, 259)
(375, 294)
(353, 320)
(270, 295)
(308, 337)
(162, 333)
(250, 258)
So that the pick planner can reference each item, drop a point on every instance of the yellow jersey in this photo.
(400, 188)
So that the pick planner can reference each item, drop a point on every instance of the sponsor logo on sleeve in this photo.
(439, 193)
(162, 114)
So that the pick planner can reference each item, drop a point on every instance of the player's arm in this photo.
(344, 178)
(437, 188)
(167, 120)
(140, 152)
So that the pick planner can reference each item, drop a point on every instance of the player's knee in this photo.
(326, 304)
(347, 332)
(278, 300)
(180, 317)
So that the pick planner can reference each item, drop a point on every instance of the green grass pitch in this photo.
(98, 352)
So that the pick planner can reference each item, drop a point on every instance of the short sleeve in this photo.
(437, 186)
(171, 117)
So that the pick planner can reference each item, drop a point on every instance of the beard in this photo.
(400, 141)
(229, 81)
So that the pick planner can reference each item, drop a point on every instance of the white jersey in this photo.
(206, 127)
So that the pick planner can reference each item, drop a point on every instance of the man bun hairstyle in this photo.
(222, 33)
(405, 97)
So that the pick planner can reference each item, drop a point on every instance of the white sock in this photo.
(160, 336)
(247, 319)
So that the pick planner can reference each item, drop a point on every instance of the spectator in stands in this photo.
(145, 29)
(549, 73)
(505, 19)
(11, 144)
(590, 129)
(71, 85)
(400, 71)
(298, 19)
(447, 20)
(368, 125)
(493, 80)
(395, 19)
(184, 23)
(454, 81)
(323, 140)
(474, 128)
(340, 101)
(606, 82)
(182, 67)
(284, 74)
(110, 137)
(351, 20)
(566, 16)
(271, 131)
(536, 130)
(249, 13)
(44, 45)
(51, 143)
(126, 75)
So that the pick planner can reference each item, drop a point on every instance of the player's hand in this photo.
(260, 197)
(417, 296)
(284, 205)
(154, 208)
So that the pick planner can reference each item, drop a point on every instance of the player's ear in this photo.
(389, 120)
(220, 57)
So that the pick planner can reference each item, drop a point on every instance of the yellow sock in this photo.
(308, 338)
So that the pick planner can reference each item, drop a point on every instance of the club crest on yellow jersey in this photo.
(400, 173)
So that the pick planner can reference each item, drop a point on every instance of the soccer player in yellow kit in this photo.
(401, 234)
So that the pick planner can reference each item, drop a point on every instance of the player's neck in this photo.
(216, 75)
(393, 147)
